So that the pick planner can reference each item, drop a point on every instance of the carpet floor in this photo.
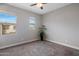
(39, 48)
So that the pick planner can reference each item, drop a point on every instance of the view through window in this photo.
(7, 24)
(32, 22)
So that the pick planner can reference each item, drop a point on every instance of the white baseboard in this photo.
(19, 43)
(74, 47)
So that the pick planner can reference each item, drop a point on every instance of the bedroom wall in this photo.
(63, 25)
(23, 32)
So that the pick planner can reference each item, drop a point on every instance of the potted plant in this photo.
(42, 34)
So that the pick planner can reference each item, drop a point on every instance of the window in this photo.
(7, 24)
(32, 22)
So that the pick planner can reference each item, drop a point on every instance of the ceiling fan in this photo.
(40, 5)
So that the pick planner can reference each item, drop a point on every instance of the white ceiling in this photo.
(47, 7)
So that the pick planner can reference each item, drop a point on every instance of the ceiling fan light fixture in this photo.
(39, 5)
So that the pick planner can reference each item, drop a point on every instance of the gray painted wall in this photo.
(23, 32)
(63, 25)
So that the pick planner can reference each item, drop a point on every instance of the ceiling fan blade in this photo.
(41, 7)
(33, 4)
(44, 3)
